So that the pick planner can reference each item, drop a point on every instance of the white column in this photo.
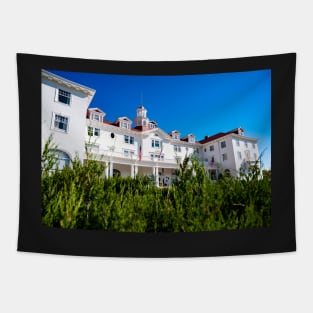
(111, 169)
(107, 164)
(132, 174)
(136, 170)
(157, 176)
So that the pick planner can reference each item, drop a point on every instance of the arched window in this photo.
(227, 172)
(116, 172)
(62, 159)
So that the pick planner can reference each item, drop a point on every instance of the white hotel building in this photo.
(131, 147)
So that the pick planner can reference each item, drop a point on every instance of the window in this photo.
(223, 144)
(238, 143)
(175, 136)
(204, 149)
(96, 117)
(96, 132)
(61, 123)
(253, 145)
(93, 131)
(177, 148)
(116, 173)
(129, 139)
(128, 153)
(239, 155)
(212, 148)
(246, 144)
(124, 124)
(157, 156)
(152, 125)
(224, 156)
(62, 159)
(155, 143)
(255, 157)
(64, 96)
(247, 154)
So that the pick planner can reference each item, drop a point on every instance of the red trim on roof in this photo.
(219, 135)
(96, 110)
(136, 130)
(107, 122)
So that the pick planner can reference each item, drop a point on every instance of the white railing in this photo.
(131, 157)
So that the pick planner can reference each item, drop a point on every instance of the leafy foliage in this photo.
(81, 197)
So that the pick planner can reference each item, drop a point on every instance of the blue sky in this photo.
(203, 104)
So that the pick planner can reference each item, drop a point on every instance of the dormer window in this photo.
(175, 135)
(191, 138)
(96, 117)
(95, 114)
(125, 124)
(152, 125)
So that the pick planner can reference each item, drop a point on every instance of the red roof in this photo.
(137, 128)
(204, 140)
(219, 135)
(107, 122)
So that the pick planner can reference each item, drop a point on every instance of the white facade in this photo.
(232, 151)
(133, 151)
(127, 148)
(63, 113)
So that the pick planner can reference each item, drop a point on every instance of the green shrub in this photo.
(80, 197)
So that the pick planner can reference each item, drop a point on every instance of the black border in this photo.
(280, 237)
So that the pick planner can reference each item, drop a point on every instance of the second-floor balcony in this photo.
(128, 156)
